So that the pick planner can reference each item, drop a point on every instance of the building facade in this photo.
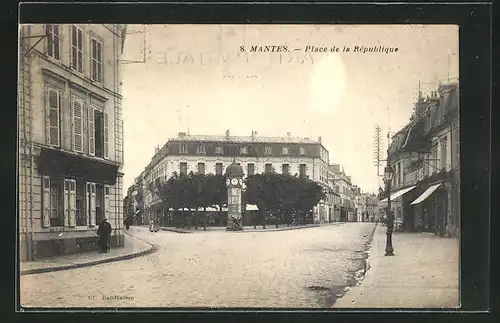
(70, 137)
(426, 161)
(212, 154)
(341, 183)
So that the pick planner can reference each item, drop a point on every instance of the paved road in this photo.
(297, 268)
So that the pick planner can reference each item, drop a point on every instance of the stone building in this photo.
(426, 160)
(256, 154)
(342, 184)
(70, 136)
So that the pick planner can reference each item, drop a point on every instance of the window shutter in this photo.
(66, 203)
(106, 150)
(53, 106)
(91, 132)
(72, 202)
(107, 199)
(77, 126)
(46, 201)
(91, 199)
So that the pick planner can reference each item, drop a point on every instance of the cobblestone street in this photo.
(297, 268)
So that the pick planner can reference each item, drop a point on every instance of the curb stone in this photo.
(370, 248)
(92, 263)
(252, 230)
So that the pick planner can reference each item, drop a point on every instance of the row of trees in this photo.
(286, 198)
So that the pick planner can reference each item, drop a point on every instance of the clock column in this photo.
(234, 183)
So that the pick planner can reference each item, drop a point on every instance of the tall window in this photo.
(56, 202)
(219, 150)
(285, 169)
(442, 158)
(201, 149)
(284, 151)
(251, 169)
(426, 164)
(218, 168)
(183, 149)
(456, 147)
(302, 170)
(99, 203)
(77, 48)
(52, 32)
(434, 157)
(53, 117)
(98, 133)
(97, 61)
(268, 150)
(269, 168)
(77, 125)
(201, 168)
(81, 218)
(183, 168)
(302, 150)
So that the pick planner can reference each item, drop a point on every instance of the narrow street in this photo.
(297, 268)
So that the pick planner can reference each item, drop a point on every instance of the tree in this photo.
(310, 194)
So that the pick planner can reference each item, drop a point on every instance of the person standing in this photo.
(104, 232)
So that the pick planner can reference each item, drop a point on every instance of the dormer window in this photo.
(201, 149)
(219, 150)
(244, 150)
(302, 150)
(183, 149)
(268, 150)
(284, 151)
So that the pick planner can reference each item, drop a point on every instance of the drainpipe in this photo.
(28, 151)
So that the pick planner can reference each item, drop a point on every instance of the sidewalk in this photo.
(133, 248)
(424, 273)
(249, 228)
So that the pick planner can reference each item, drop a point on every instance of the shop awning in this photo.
(252, 207)
(52, 162)
(396, 194)
(426, 194)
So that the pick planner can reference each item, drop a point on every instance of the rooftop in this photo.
(244, 139)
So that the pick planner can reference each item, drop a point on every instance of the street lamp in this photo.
(388, 173)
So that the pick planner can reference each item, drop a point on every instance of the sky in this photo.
(196, 79)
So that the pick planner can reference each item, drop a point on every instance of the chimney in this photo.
(227, 134)
(253, 135)
(157, 149)
(182, 134)
(319, 139)
(288, 134)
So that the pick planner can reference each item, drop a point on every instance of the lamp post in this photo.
(389, 251)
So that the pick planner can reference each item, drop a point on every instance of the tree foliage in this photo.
(284, 197)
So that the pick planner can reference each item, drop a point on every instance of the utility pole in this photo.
(377, 145)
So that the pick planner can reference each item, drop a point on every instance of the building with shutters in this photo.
(425, 156)
(70, 137)
(342, 184)
(212, 154)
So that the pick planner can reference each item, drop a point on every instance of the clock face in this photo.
(228, 181)
(234, 181)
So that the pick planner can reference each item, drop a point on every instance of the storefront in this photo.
(436, 208)
(76, 193)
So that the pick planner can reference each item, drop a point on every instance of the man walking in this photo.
(104, 232)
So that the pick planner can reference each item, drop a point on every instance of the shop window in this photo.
(81, 210)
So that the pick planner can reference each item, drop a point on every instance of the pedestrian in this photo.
(104, 232)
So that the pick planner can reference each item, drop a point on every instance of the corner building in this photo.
(212, 154)
(70, 137)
